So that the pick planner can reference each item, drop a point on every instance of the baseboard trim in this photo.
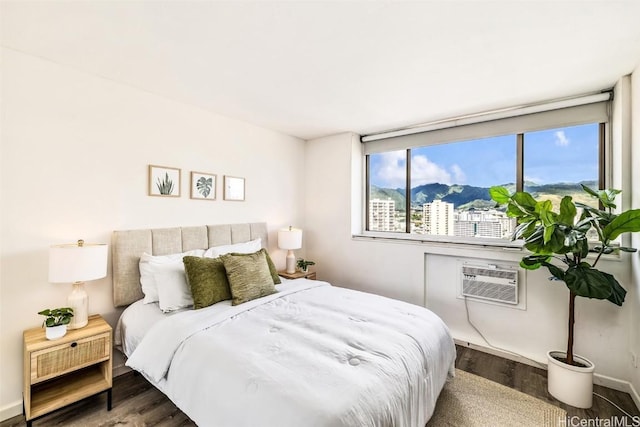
(11, 410)
(603, 380)
(504, 354)
(120, 370)
(634, 395)
(614, 383)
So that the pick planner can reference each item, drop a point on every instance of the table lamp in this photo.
(77, 263)
(290, 238)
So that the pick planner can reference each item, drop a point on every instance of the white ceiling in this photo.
(311, 69)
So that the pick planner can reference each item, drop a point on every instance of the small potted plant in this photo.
(303, 264)
(56, 321)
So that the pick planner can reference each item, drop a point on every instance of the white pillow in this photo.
(239, 248)
(150, 265)
(173, 291)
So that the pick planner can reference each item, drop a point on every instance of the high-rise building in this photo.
(483, 223)
(438, 218)
(382, 215)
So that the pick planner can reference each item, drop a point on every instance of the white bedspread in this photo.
(310, 355)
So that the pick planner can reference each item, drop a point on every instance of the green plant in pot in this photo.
(558, 241)
(303, 264)
(56, 321)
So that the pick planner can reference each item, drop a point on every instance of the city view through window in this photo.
(449, 192)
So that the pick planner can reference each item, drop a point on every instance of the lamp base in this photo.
(78, 300)
(291, 262)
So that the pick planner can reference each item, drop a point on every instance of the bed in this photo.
(308, 354)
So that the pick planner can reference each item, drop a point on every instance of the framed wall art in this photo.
(233, 188)
(164, 181)
(203, 186)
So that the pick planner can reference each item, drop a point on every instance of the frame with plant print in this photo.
(164, 181)
(233, 188)
(203, 186)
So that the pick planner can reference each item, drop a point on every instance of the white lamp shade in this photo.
(290, 238)
(72, 263)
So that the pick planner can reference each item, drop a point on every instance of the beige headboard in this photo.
(128, 245)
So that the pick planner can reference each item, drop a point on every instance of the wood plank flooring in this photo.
(137, 403)
(533, 381)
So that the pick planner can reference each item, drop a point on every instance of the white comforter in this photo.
(310, 355)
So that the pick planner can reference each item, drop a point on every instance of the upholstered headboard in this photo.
(128, 245)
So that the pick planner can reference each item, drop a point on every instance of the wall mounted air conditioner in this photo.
(490, 283)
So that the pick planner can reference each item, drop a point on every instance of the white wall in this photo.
(74, 156)
(414, 271)
(634, 297)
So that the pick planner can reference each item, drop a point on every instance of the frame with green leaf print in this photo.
(164, 181)
(203, 186)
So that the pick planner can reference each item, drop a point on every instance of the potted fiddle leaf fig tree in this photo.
(558, 241)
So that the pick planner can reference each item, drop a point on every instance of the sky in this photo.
(567, 154)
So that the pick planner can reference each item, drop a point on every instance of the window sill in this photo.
(439, 240)
(448, 242)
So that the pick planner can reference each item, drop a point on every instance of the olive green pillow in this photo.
(249, 276)
(207, 279)
(272, 267)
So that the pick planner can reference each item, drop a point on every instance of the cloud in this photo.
(425, 171)
(561, 139)
(459, 177)
(390, 172)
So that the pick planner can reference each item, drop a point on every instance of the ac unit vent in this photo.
(494, 284)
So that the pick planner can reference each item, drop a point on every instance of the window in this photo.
(557, 161)
(441, 188)
(387, 191)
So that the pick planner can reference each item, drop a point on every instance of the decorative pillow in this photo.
(149, 268)
(249, 276)
(173, 291)
(239, 248)
(272, 268)
(207, 279)
(270, 264)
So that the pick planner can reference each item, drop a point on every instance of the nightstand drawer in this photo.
(57, 360)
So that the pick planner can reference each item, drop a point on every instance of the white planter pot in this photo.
(572, 385)
(55, 332)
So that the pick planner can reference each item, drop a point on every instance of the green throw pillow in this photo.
(207, 279)
(272, 266)
(249, 276)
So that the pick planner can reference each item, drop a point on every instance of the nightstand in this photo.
(311, 275)
(60, 372)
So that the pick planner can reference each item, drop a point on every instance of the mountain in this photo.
(555, 192)
(396, 195)
(457, 194)
(467, 196)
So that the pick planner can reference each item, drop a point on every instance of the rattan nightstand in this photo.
(60, 372)
(311, 275)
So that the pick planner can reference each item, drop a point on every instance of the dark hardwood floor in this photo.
(533, 381)
(137, 403)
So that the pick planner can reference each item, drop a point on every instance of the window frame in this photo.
(604, 142)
